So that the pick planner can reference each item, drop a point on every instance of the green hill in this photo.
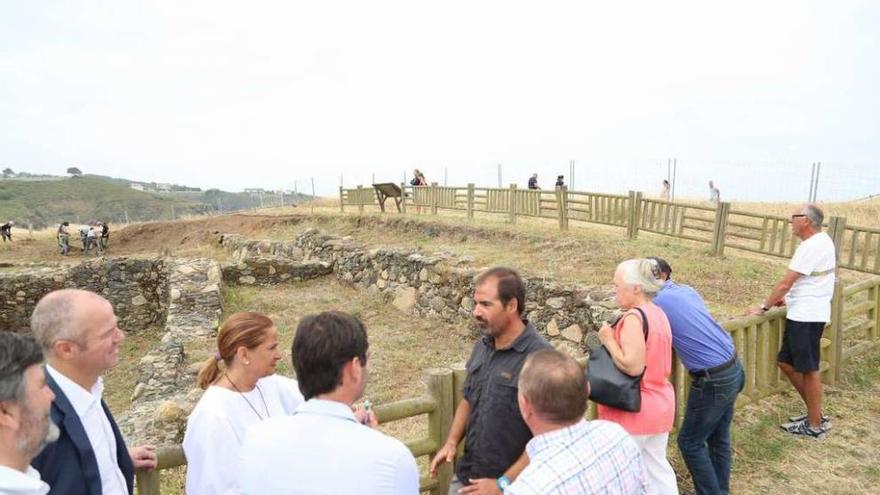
(49, 201)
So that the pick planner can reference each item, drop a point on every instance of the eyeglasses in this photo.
(797, 216)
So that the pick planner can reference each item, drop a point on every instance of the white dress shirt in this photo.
(87, 404)
(323, 450)
(217, 425)
(14, 482)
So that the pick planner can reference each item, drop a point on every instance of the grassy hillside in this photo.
(82, 199)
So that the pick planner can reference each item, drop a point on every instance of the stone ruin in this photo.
(182, 298)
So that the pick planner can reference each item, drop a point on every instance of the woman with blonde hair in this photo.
(636, 282)
(241, 389)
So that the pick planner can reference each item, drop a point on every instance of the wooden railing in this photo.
(718, 226)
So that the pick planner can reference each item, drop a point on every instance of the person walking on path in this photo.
(717, 377)
(714, 193)
(806, 289)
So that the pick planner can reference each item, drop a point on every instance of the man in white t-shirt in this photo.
(325, 447)
(806, 289)
(25, 426)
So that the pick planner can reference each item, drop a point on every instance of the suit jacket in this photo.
(69, 465)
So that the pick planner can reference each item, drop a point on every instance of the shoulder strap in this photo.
(644, 322)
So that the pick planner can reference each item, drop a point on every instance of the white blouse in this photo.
(217, 425)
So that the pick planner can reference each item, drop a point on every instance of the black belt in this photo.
(716, 369)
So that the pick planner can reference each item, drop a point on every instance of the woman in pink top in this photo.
(635, 284)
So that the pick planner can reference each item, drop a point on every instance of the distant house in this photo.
(136, 186)
(255, 190)
(163, 187)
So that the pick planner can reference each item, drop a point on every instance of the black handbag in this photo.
(610, 386)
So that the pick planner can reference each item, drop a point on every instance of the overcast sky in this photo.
(262, 94)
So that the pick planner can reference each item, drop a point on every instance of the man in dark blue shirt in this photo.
(717, 376)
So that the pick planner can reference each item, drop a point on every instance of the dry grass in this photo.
(860, 213)
(845, 462)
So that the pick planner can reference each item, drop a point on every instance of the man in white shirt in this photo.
(806, 289)
(324, 448)
(79, 334)
(569, 454)
(25, 427)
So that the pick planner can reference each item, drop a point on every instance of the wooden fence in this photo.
(718, 226)
(854, 329)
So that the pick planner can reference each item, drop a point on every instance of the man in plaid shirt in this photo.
(570, 455)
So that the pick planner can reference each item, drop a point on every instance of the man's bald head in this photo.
(58, 316)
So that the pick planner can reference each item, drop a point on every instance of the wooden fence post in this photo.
(459, 374)
(440, 388)
(403, 197)
(512, 204)
(433, 198)
(722, 213)
(147, 482)
(874, 295)
(836, 229)
(562, 206)
(632, 217)
(341, 200)
(470, 201)
(360, 198)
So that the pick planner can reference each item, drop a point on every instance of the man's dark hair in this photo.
(17, 353)
(510, 285)
(323, 344)
(663, 265)
(555, 385)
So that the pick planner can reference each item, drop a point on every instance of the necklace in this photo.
(254, 409)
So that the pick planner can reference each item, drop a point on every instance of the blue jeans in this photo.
(704, 437)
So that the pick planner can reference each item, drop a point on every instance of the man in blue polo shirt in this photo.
(717, 376)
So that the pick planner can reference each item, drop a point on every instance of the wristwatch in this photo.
(503, 482)
(764, 308)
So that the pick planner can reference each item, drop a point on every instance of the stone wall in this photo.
(165, 392)
(441, 285)
(135, 287)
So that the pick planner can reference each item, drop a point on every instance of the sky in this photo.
(273, 94)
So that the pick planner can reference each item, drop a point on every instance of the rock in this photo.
(138, 300)
(138, 391)
(175, 294)
(170, 412)
(437, 304)
(381, 283)
(405, 299)
(467, 303)
(247, 280)
(556, 302)
(553, 328)
(423, 274)
(573, 333)
(271, 270)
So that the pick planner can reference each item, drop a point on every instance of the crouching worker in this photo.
(569, 454)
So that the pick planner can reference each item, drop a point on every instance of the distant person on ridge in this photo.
(560, 180)
(664, 190)
(714, 193)
(533, 182)
(6, 230)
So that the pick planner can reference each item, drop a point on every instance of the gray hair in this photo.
(53, 319)
(17, 353)
(814, 213)
(644, 273)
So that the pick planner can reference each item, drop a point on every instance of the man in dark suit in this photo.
(79, 334)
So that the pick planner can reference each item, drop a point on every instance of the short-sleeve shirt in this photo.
(496, 434)
(809, 299)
